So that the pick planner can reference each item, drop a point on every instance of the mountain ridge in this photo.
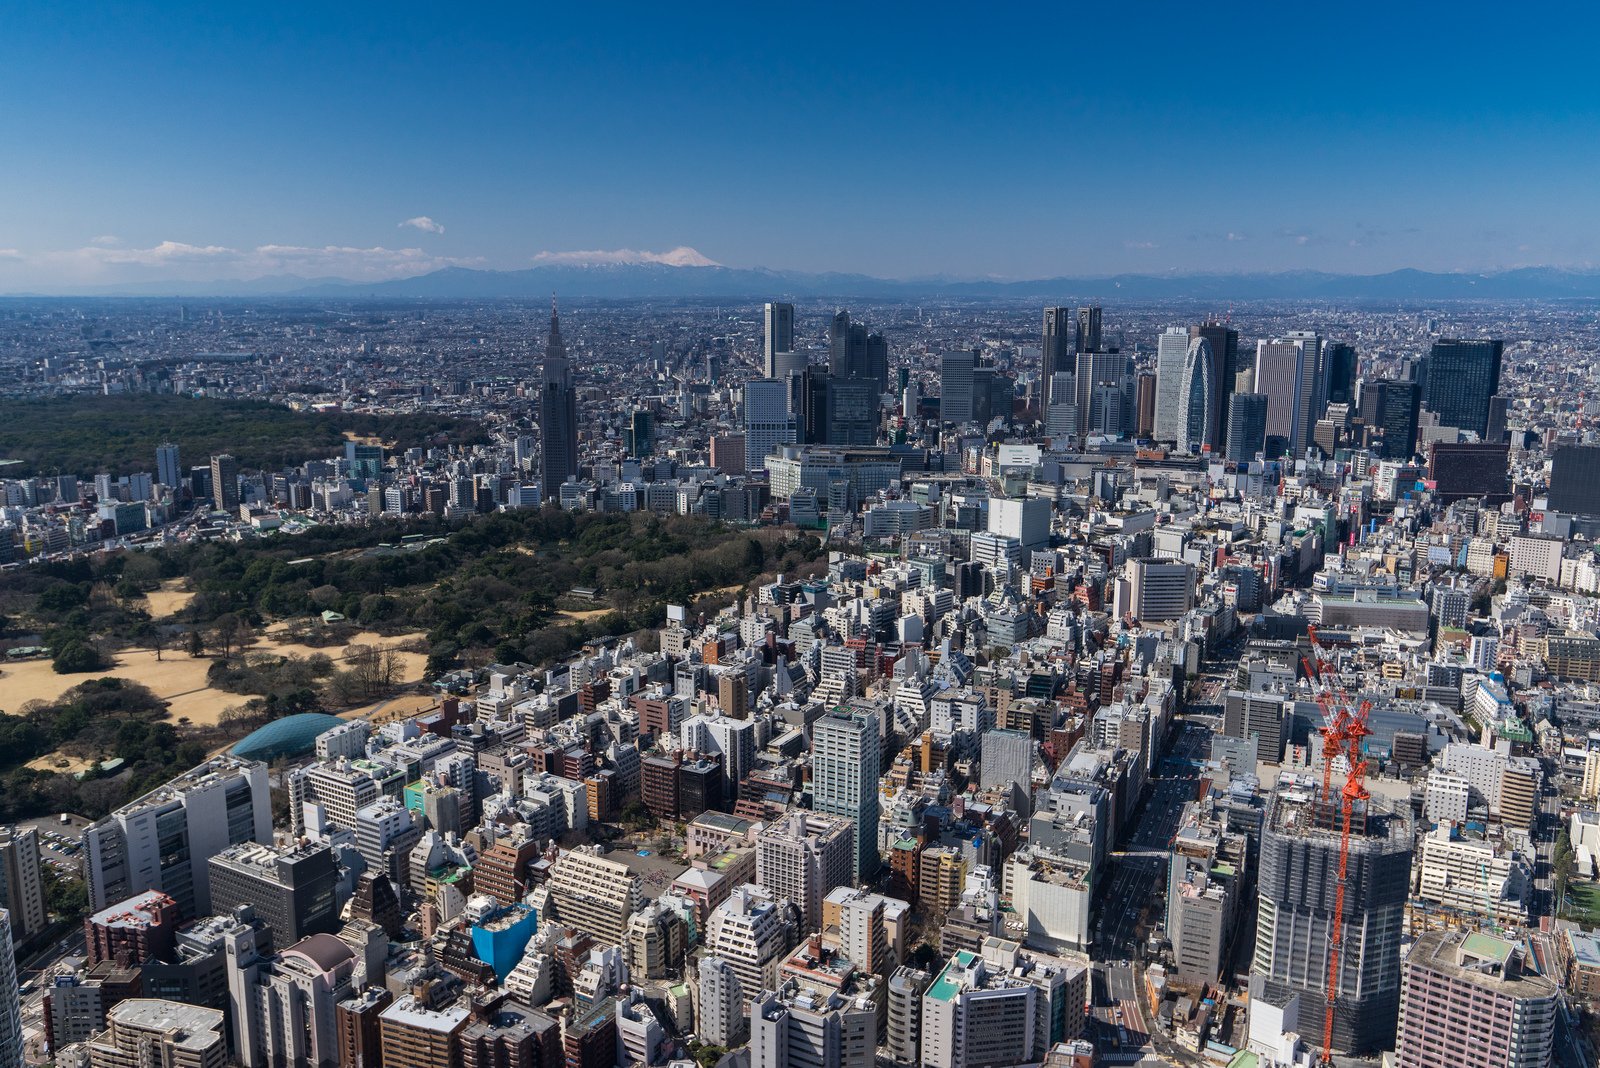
(642, 281)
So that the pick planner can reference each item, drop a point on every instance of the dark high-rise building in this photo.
(1496, 431)
(1089, 338)
(779, 337)
(1296, 893)
(558, 412)
(838, 411)
(1339, 377)
(1144, 399)
(1462, 376)
(1462, 471)
(291, 890)
(958, 401)
(225, 483)
(1389, 410)
(854, 353)
(1225, 351)
(1056, 350)
(640, 434)
(1575, 480)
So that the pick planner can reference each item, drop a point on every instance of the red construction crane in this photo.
(1352, 733)
(1345, 732)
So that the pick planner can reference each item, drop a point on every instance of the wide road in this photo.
(1137, 872)
(1133, 897)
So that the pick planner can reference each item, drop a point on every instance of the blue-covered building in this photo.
(289, 736)
(500, 939)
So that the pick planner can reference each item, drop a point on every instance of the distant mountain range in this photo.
(632, 281)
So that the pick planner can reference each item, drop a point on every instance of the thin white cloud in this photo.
(1140, 244)
(180, 260)
(425, 224)
(106, 240)
(1235, 236)
(682, 256)
(10, 254)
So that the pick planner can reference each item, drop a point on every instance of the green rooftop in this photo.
(1513, 729)
(1486, 947)
(944, 988)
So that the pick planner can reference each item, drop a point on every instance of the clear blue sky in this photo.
(225, 140)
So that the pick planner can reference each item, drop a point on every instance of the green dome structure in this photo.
(289, 736)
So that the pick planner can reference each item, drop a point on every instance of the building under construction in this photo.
(1297, 890)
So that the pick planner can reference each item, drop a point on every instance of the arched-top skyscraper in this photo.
(1198, 426)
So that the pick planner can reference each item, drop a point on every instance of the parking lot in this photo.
(60, 844)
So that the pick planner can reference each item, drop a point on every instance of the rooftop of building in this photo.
(265, 857)
(1585, 948)
(721, 821)
(1482, 960)
(205, 774)
(406, 1011)
(1298, 812)
(136, 911)
(189, 1026)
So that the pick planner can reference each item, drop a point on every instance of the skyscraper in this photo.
(844, 779)
(1172, 349)
(1471, 999)
(958, 401)
(1462, 376)
(1225, 351)
(1055, 351)
(1247, 427)
(558, 412)
(1339, 373)
(778, 337)
(1575, 480)
(1311, 384)
(1286, 373)
(1296, 892)
(1389, 409)
(1144, 402)
(854, 353)
(225, 483)
(1088, 339)
(1007, 759)
(1103, 381)
(168, 472)
(837, 411)
(1199, 427)
(768, 422)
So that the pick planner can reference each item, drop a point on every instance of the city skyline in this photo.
(371, 144)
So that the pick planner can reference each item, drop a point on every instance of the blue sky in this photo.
(223, 141)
